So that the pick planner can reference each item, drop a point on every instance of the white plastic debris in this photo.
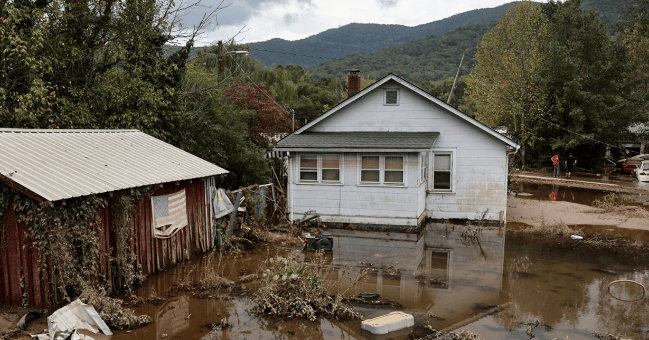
(388, 323)
(576, 237)
(65, 322)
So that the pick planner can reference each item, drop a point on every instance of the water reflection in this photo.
(444, 275)
(449, 276)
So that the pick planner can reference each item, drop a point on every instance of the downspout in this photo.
(509, 153)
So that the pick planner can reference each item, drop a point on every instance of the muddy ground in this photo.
(536, 209)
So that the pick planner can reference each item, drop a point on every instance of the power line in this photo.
(295, 54)
(578, 134)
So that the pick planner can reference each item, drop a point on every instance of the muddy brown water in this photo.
(449, 276)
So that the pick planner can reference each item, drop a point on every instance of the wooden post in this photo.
(221, 58)
(272, 188)
(234, 214)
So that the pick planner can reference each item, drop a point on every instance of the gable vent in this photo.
(392, 97)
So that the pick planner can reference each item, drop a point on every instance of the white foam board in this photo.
(388, 323)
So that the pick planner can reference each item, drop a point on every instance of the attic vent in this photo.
(391, 96)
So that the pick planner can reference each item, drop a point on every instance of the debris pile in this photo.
(112, 310)
(295, 290)
(462, 335)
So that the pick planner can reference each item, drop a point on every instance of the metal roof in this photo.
(60, 164)
(359, 140)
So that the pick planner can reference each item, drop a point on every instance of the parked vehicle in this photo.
(643, 171)
(632, 163)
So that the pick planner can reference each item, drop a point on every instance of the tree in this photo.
(635, 32)
(89, 64)
(506, 86)
(589, 96)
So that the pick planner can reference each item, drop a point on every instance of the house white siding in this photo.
(352, 202)
(479, 159)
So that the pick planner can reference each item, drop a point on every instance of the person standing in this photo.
(555, 162)
(571, 162)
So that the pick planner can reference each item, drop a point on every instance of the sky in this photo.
(260, 20)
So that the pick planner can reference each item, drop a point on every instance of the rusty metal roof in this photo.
(60, 164)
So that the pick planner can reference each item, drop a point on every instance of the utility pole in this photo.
(221, 57)
(448, 101)
(293, 114)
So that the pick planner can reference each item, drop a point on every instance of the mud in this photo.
(545, 205)
(497, 282)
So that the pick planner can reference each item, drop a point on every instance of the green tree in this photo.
(589, 95)
(635, 32)
(506, 86)
(89, 64)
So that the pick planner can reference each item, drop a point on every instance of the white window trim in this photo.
(385, 96)
(320, 181)
(381, 181)
(423, 165)
(431, 172)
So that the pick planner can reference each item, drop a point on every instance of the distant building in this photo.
(394, 155)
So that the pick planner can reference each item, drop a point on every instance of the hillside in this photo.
(437, 57)
(364, 38)
(430, 58)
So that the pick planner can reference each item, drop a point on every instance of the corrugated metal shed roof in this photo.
(359, 140)
(60, 164)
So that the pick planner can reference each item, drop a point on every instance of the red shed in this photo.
(171, 223)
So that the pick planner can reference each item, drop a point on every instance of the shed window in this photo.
(391, 97)
(442, 171)
(308, 167)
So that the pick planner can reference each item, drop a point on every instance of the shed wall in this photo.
(19, 260)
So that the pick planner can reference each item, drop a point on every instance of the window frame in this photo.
(382, 169)
(319, 169)
(423, 167)
(385, 96)
(453, 170)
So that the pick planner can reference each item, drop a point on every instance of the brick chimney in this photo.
(353, 82)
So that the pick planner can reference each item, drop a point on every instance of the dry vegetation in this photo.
(462, 335)
(112, 311)
(614, 203)
(296, 290)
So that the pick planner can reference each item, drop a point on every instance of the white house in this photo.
(392, 155)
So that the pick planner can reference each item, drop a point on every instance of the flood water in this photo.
(452, 277)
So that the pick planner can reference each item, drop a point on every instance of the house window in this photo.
(308, 167)
(393, 169)
(377, 169)
(320, 168)
(331, 167)
(439, 269)
(370, 169)
(423, 167)
(442, 171)
(391, 97)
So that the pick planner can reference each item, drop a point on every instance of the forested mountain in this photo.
(438, 57)
(430, 58)
(367, 38)
(363, 38)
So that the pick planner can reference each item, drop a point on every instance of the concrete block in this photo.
(388, 323)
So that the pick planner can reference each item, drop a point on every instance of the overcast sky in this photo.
(298, 19)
